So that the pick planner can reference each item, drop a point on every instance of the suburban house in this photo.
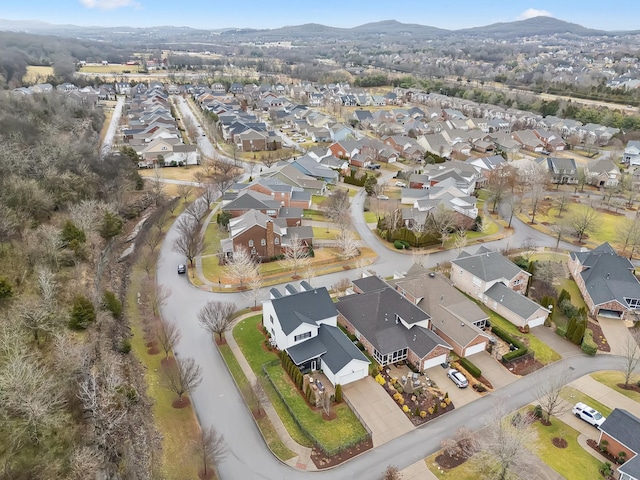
(604, 173)
(632, 153)
(500, 284)
(290, 175)
(607, 282)
(454, 317)
(308, 165)
(390, 327)
(528, 141)
(304, 324)
(562, 170)
(287, 195)
(620, 431)
(263, 236)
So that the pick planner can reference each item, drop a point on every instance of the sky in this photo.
(214, 14)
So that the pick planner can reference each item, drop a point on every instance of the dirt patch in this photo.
(168, 362)
(523, 366)
(205, 476)
(153, 351)
(453, 457)
(181, 403)
(331, 416)
(559, 442)
(322, 461)
(598, 337)
(221, 341)
(632, 386)
(594, 445)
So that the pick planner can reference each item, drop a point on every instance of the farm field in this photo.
(37, 74)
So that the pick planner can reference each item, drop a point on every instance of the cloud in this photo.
(109, 4)
(534, 12)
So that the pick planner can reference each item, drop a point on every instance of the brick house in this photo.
(620, 431)
(607, 282)
(500, 284)
(454, 317)
(286, 195)
(391, 328)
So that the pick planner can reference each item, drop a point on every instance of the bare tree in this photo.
(168, 336)
(560, 230)
(241, 265)
(584, 220)
(183, 377)
(498, 187)
(341, 285)
(148, 262)
(324, 399)
(505, 448)
(629, 234)
(184, 190)
(153, 238)
(296, 254)
(158, 296)
(631, 356)
(511, 204)
(536, 195)
(563, 200)
(338, 208)
(392, 473)
(348, 245)
(459, 240)
(441, 221)
(35, 316)
(549, 398)
(189, 241)
(156, 187)
(309, 273)
(211, 448)
(208, 194)
(255, 284)
(217, 317)
(225, 177)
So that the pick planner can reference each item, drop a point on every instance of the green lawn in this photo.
(315, 215)
(325, 233)
(370, 217)
(570, 286)
(317, 199)
(573, 396)
(211, 268)
(333, 434)
(462, 472)
(544, 353)
(611, 379)
(269, 433)
(346, 428)
(573, 462)
(212, 237)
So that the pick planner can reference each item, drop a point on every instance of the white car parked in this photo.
(458, 378)
(588, 414)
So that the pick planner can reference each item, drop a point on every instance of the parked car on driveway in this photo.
(182, 268)
(383, 197)
(458, 378)
(401, 184)
(588, 414)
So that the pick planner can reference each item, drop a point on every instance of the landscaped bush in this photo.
(401, 244)
(111, 303)
(561, 330)
(521, 349)
(338, 394)
(537, 411)
(588, 346)
(470, 367)
(423, 414)
(405, 409)
(380, 379)
(82, 313)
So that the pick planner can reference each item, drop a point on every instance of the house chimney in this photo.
(270, 239)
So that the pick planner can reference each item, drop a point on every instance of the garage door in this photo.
(434, 362)
(609, 313)
(536, 322)
(475, 349)
(352, 377)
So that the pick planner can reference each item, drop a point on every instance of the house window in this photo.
(517, 281)
(251, 243)
(253, 251)
(263, 242)
(271, 319)
(302, 336)
(277, 241)
(633, 302)
(476, 281)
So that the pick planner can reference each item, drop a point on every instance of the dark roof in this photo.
(303, 233)
(607, 275)
(518, 304)
(304, 307)
(631, 467)
(373, 314)
(291, 289)
(306, 285)
(275, 293)
(624, 427)
(307, 350)
(290, 212)
(487, 266)
(251, 199)
(370, 284)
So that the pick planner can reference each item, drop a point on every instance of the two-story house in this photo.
(500, 284)
(304, 324)
(562, 170)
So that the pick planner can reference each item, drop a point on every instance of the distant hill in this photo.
(530, 27)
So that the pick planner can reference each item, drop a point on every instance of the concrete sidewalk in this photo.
(302, 460)
(606, 395)
(563, 347)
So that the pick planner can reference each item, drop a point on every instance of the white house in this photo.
(304, 324)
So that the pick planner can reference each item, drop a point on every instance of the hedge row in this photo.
(470, 367)
(588, 345)
(521, 347)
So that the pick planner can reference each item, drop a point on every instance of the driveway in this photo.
(616, 333)
(493, 370)
(563, 347)
(377, 410)
(459, 396)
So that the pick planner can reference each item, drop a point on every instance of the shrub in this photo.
(447, 400)
(435, 407)
(82, 313)
(416, 412)
(397, 396)
(564, 295)
(431, 410)
(470, 367)
(405, 409)
(401, 400)
(443, 405)
(423, 414)
(125, 346)
(537, 411)
(398, 244)
(5, 289)
(380, 379)
(606, 469)
(578, 334)
(588, 346)
(72, 233)
(603, 445)
(562, 331)
(111, 303)
(338, 394)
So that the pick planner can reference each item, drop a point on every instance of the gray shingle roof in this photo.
(370, 284)
(488, 266)
(518, 304)
(340, 350)
(624, 427)
(251, 199)
(608, 276)
(374, 316)
(304, 307)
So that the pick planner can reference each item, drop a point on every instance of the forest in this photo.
(71, 400)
